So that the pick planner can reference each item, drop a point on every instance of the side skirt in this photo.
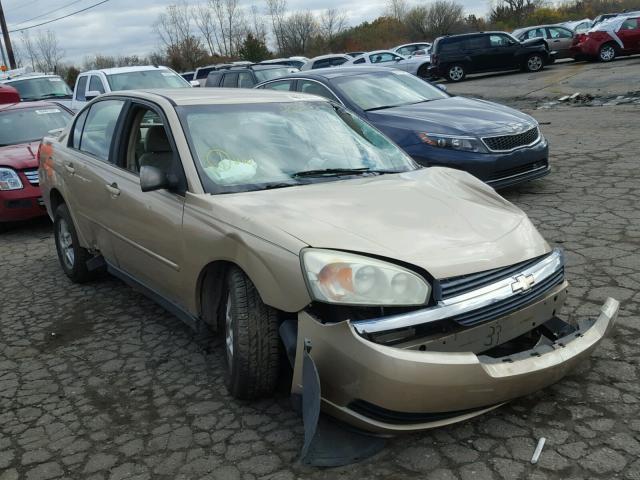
(194, 322)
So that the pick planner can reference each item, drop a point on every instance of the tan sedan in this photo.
(418, 295)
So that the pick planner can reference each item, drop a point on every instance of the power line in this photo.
(23, 5)
(45, 14)
(59, 18)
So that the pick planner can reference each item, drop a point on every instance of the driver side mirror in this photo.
(194, 83)
(91, 94)
(152, 178)
(442, 86)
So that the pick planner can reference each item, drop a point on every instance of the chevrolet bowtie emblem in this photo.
(522, 283)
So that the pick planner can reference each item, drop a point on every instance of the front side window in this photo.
(148, 142)
(95, 84)
(41, 88)
(372, 91)
(535, 33)
(99, 127)
(315, 88)
(143, 79)
(499, 41)
(26, 125)
(246, 147)
(81, 88)
(77, 129)
(383, 57)
(556, 32)
(271, 73)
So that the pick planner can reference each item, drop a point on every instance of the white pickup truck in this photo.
(96, 82)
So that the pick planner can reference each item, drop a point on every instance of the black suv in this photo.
(246, 76)
(454, 56)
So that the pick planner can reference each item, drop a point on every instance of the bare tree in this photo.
(30, 50)
(257, 26)
(513, 10)
(203, 17)
(397, 9)
(174, 28)
(440, 18)
(277, 10)
(298, 30)
(332, 23)
(230, 23)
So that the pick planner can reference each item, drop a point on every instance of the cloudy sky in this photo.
(123, 27)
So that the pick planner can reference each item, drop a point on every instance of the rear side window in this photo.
(245, 80)
(99, 127)
(452, 45)
(95, 84)
(213, 80)
(315, 88)
(360, 60)
(630, 24)
(475, 43)
(230, 80)
(81, 87)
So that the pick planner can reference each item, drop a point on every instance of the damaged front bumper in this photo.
(420, 385)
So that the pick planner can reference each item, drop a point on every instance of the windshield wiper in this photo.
(55, 95)
(383, 107)
(332, 171)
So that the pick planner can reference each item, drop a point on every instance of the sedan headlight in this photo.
(9, 179)
(345, 278)
(467, 144)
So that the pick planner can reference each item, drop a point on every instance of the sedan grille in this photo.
(32, 176)
(506, 143)
(454, 286)
(511, 304)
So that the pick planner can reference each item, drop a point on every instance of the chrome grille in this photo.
(506, 143)
(32, 176)
(451, 287)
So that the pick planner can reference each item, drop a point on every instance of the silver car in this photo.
(386, 58)
(558, 38)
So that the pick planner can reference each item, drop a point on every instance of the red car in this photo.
(22, 125)
(610, 39)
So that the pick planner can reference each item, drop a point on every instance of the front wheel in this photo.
(534, 63)
(252, 344)
(456, 73)
(73, 258)
(607, 52)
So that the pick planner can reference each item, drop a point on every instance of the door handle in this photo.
(113, 189)
(556, 41)
(69, 168)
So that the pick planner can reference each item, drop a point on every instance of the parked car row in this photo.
(402, 298)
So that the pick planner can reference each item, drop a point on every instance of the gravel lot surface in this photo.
(97, 382)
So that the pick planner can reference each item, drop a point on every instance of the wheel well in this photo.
(210, 291)
(56, 200)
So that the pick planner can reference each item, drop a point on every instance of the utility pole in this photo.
(7, 40)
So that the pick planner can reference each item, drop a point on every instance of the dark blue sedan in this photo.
(497, 144)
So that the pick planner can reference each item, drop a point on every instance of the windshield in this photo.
(25, 125)
(372, 91)
(271, 73)
(146, 79)
(42, 87)
(246, 147)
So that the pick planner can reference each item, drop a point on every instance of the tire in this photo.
(607, 52)
(423, 72)
(534, 63)
(456, 73)
(252, 345)
(73, 258)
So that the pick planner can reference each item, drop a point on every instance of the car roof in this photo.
(329, 55)
(115, 70)
(329, 73)
(217, 96)
(27, 105)
(409, 44)
(28, 76)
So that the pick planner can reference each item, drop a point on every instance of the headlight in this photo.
(338, 277)
(467, 144)
(9, 179)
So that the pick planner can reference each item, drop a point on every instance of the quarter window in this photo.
(77, 129)
(360, 60)
(97, 134)
(81, 87)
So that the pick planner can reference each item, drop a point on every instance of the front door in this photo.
(559, 40)
(629, 34)
(501, 51)
(147, 226)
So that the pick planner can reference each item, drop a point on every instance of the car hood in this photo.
(19, 156)
(453, 115)
(442, 220)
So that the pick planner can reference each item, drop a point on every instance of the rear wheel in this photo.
(73, 258)
(423, 71)
(607, 52)
(252, 344)
(534, 63)
(456, 73)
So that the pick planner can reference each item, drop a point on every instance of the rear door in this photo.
(629, 34)
(147, 226)
(559, 40)
(87, 169)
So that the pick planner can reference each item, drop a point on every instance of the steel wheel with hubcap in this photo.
(252, 343)
(535, 63)
(607, 52)
(456, 73)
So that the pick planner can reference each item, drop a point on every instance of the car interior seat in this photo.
(157, 149)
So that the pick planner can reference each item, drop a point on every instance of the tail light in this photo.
(434, 58)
